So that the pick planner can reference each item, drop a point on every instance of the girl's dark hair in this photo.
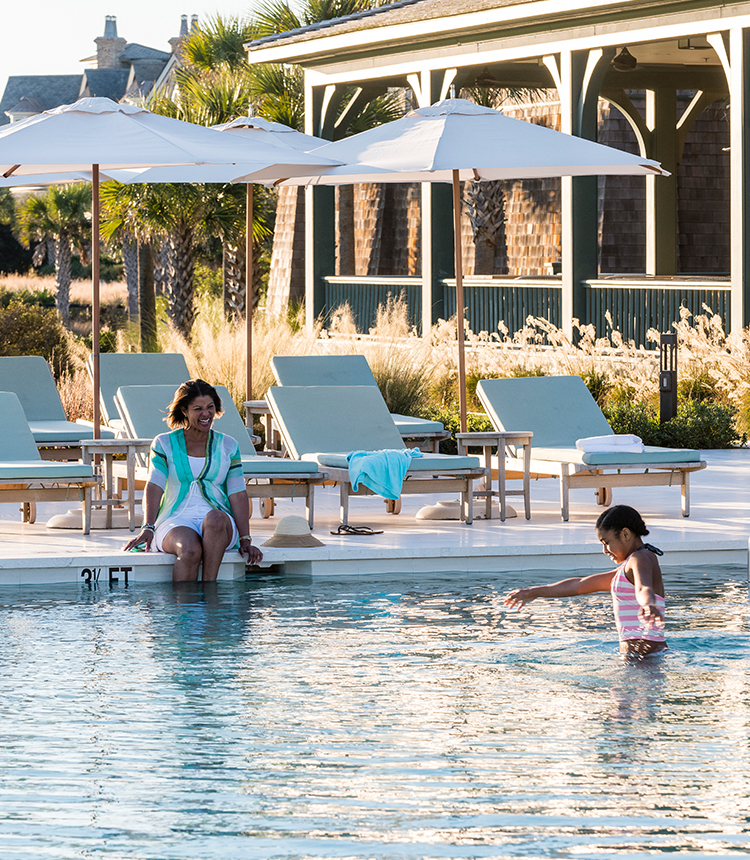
(620, 517)
(185, 394)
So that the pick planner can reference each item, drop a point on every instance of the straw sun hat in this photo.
(292, 531)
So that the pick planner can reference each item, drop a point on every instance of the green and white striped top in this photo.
(220, 477)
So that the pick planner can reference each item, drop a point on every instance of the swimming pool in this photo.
(370, 719)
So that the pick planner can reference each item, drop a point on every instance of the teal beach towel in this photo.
(382, 472)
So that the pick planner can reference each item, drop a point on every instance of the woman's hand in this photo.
(145, 536)
(254, 555)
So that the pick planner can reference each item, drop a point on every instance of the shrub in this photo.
(33, 330)
(451, 420)
(700, 424)
(598, 383)
(696, 425)
(27, 297)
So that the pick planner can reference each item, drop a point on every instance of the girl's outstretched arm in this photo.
(564, 588)
(643, 580)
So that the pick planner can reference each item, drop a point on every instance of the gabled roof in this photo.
(49, 90)
(27, 104)
(105, 83)
(147, 70)
(399, 12)
(134, 51)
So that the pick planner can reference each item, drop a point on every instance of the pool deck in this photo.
(716, 533)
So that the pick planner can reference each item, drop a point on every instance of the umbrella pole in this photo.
(459, 300)
(95, 294)
(249, 289)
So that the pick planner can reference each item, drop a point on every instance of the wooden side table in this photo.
(274, 444)
(500, 439)
(107, 448)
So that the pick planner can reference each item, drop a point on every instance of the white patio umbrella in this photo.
(99, 134)
(458, 140)
(292, 158)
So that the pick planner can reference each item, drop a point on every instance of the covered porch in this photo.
(659, 66)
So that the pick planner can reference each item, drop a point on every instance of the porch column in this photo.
(661, 191)
(739, 160)
(321, 104)
(578, 76)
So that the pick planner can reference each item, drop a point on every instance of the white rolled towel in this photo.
(623, 443)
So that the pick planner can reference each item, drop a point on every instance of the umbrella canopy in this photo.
(289, 157)
(36, 179)
(99, 131)
(458, 140)
(255, 127)
(429, 144)
(98, 134)
(292, 150)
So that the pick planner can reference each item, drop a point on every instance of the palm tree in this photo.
(155, 212)
(210, 96)
(486, 201)
(60, 214)
(218, 41)
(124, 215)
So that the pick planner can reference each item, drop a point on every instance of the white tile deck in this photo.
(716, 532)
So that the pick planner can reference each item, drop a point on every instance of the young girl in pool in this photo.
(636, 583)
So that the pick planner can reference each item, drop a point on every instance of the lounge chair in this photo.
(135, 368)
(559, 410)
(304, 370)
(322, 424)
(29, 377)
(26, 478)
(143, 408)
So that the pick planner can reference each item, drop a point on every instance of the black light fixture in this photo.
(624, 61)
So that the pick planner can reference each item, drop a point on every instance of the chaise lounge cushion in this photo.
(29, 377)
(650, 455)
(65, 432)
(44, 470)
(135, 368)
(144, 407)
(430, 463)
(325, 423)
(559, 410)
(307, 370)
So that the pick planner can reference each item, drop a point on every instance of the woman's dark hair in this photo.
(620, 517)
(185, 394)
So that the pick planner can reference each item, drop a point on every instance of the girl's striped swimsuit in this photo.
(626, 607)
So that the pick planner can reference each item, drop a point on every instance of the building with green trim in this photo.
(662, 64)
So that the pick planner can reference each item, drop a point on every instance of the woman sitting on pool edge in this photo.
(195, 502)
(636, 583)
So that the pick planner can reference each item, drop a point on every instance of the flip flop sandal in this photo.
(356, 530)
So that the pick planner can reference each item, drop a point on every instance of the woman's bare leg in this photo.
(217, 532)
(185, 543)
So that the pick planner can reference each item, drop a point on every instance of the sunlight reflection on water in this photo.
(370, 718)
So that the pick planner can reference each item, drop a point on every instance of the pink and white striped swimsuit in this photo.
(626, 607)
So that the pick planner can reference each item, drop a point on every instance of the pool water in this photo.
(371, 718)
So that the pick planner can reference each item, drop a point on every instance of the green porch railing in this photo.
(635, 303)
(364, 295)
(512, 300)
(638, 304)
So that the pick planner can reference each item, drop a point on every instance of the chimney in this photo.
(109, 46)
(176, 41)
(193, 23)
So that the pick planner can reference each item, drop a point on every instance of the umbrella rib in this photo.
(9, 173)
